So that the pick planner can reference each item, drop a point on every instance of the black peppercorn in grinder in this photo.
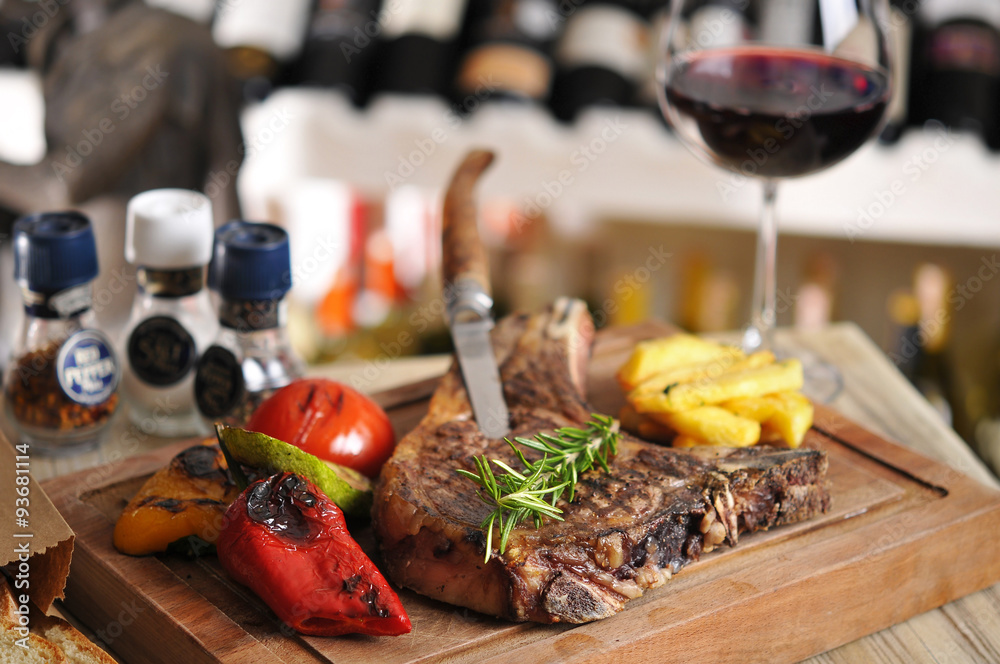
(252, 357)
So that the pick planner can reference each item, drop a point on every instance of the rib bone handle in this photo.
(463, 256)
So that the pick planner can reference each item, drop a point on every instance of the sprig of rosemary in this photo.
(516, 495)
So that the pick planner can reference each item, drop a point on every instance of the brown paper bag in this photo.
(36, 542)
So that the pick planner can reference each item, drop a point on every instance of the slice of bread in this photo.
(39, 651)
(51, 640)
(77, 648)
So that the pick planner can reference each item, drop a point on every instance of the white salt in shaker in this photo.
(168, 237)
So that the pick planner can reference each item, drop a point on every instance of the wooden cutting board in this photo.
(905, 534)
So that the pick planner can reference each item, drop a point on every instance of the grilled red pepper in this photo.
(285, 540)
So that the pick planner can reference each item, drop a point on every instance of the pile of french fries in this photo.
(687, 391)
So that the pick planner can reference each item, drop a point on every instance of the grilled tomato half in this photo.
(329, 420)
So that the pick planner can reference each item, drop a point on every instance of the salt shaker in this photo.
(168, 237)
(252, 356)
(61, 388)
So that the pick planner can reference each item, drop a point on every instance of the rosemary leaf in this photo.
(515, 495)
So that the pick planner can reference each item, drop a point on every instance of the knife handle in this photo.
(463, 256)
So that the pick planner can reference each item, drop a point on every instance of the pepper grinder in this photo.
(252, 357)
(168, 237)
(61, 388)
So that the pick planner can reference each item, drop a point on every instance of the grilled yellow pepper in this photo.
(187, 497)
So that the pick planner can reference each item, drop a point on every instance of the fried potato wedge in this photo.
(758, 409)
(785, 416)
(687, 391)
(792, 417)
(713, 426)
(659, 355)
(731, 362)
(778, 377)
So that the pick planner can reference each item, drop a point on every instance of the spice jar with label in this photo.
(61, 388)
(252, 357)
(168, 237)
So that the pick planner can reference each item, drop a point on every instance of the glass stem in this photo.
(757, 334)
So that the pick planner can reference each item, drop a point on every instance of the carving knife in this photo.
(469, 299)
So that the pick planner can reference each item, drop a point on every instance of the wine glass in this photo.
(773, 89)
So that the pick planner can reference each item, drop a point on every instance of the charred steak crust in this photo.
(627, 530)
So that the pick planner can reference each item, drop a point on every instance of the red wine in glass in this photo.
(775, 112)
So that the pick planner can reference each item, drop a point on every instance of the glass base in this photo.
(45, 442)
(753, 340)
(822, 381)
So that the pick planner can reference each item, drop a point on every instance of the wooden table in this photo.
(875, 395)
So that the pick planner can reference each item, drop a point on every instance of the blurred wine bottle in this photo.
(900, 35)
(922, 332)
(11, 54)
(931, 285)
(603, 56)
(959, 76)
(379, 292)
(647, 96)
(16, 27)
(200, 11)
(325, 220)
(384, 312)
(788, 22)
(261, 38)
(508, 56)
(717, 23)
(904, 319)
(526, 270)
(986, 427)
(708, 295)
(419, 47)
(632, 298)
(340, 46)
(815, 299)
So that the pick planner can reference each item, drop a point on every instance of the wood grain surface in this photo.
(905, 534)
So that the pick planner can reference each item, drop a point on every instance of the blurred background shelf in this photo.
(351, 149)
(946, 179)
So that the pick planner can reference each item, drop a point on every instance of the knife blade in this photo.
(469, 298)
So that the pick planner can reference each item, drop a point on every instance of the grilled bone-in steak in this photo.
(626, 530)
